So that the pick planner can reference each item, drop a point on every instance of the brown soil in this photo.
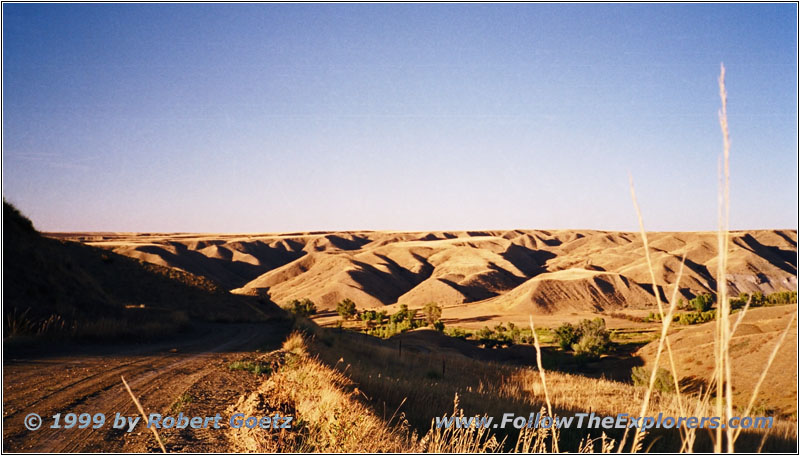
(158, 374)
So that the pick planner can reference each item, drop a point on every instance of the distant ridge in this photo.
(541, 271)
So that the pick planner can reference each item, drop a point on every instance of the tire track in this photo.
(154, 378)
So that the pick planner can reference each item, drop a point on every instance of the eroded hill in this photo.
(534, 271)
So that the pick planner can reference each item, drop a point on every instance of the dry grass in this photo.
(295, 344)
(483, 388)
(387, 382)
(347, 389)
(329, 416)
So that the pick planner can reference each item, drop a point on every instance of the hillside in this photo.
(61, 288)
(751, 347)
(535, 271)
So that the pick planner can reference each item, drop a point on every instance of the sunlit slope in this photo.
(532, 270)
(751, 346)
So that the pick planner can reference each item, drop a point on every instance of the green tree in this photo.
(566, 336)
(400, 315)
(702, 303)
(594, 339)
(432, 312)
(346, 309)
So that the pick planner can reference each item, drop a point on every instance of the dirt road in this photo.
(189, 376)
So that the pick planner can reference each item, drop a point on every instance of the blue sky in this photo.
(273, 117)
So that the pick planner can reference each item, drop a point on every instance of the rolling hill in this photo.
(535, 271)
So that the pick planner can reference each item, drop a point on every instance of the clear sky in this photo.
(273, 117)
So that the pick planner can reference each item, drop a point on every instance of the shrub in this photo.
(664, 381)
(695, 318)
(702, 303)
(594, 340)
(401, 321)
(741, 301)
(438, 325)
(758, 299)
(253, 367)
(369, 315)
(304, 308)
(566, 336)
(782, 297)
(432, 312)
(402, 314)
(458, 333)
(589, 339)
(484, 334)
(591, 346)
(346, 309)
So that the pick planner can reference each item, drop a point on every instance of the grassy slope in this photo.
(354, 394)
(751, 346)
(413, 382)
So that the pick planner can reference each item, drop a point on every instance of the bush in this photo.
(438, 325)
(695, 318)
(782, 297)
(401, 321)
(304, 308)
(457, 333)
(591, 346)
(702, 303)
(594, 340)
(346, 309)
(372, 318)
(566, 336)
(402, 314)
(758, 299)
(664, 381)
(484, 334)
(432, 312)
(741, 301)
(589, 339)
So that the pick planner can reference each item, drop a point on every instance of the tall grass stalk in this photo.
(542, 376)
(724, 397)
(653, 278)
(144, 415)
(663, 340)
